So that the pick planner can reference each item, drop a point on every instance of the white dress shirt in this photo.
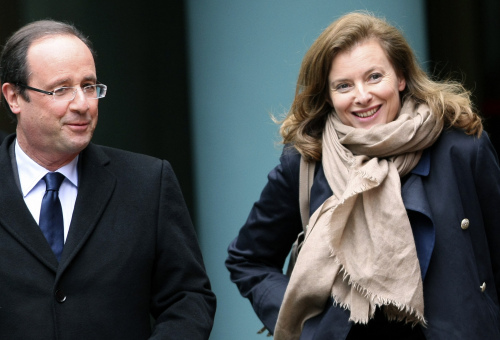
(33, 186)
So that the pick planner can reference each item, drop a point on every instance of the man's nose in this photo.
(80, 102)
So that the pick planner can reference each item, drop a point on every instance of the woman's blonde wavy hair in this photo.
(303, 126)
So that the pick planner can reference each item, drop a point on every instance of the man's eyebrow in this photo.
(90, 78)
(58, 82)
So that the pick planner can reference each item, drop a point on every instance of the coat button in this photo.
(465, 224)
(483, 287)
(60, 296)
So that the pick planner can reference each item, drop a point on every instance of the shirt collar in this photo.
(30, 172)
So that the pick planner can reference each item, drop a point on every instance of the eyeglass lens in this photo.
(91, 91)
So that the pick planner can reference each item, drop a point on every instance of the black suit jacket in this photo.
(2, 136)
(457, 179)
(131, 251)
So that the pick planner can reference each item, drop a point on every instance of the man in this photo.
(124, 249)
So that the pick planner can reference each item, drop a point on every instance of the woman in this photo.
(404, 237)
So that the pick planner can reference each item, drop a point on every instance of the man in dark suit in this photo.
(111, 244)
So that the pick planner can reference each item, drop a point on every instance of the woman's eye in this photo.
(342, 87)
(375, 76)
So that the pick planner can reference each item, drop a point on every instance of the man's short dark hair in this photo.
(13, 60)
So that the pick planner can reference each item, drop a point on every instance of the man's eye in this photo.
(89, 88)
(62, 91)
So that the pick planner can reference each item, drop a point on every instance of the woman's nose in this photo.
(363, 95)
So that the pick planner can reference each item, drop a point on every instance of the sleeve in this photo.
(182, 302)
(487, 182)
(257, 255)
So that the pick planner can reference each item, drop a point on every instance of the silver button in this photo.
(465, 223)
(483, 287)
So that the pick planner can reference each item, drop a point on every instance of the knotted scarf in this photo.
(359, 248)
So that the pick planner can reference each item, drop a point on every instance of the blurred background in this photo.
(196, 82)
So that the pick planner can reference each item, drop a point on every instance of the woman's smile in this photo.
(366, 114)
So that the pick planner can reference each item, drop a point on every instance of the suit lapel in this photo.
(95, 188)
(15, 216)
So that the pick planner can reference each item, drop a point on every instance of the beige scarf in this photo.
(359, 248)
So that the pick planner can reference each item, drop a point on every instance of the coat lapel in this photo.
(419, 212)
(95, 188)
(15, 216)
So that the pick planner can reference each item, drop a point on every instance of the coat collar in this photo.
(15, 216)
(424, 165)
(415, 200)
(96, 187)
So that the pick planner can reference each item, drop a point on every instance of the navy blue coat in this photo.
(457, 179)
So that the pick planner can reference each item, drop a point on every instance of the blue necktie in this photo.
(51, 218)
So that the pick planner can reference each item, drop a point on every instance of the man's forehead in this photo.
(59, 41)
(60, 54)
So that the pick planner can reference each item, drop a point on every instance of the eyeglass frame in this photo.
(53, 93)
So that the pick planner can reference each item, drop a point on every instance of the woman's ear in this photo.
(401, 83)
(11, 96)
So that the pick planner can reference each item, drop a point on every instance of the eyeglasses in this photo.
(65, 93)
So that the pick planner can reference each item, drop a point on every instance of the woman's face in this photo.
(364, 87)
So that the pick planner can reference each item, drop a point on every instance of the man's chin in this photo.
(76, 145)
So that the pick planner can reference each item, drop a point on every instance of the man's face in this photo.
(54, 132)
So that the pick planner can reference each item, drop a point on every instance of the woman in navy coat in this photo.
(403, 240)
